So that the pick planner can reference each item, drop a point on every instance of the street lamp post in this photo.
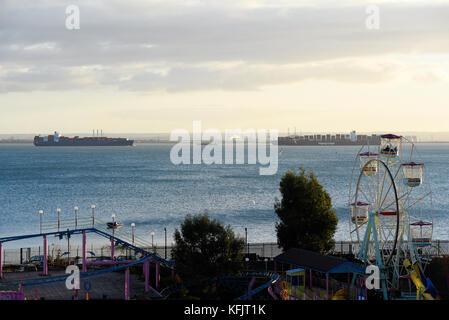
(76, 217)
(266, 264)
(246, 259)
(93, 215)
(41, 212)
(68, 247)
(152, 241)
(165, 246)
(132, 227)
(246, 241)
(59, 221)
(113, 226)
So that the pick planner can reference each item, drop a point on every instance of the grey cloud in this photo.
(180, 37)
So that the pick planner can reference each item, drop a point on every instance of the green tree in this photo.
(206, 248)
(307, 219)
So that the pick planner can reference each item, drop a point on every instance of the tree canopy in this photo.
(307, 219)
(205, 248)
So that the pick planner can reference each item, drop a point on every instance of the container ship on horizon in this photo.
(55, 140)
(341, 139)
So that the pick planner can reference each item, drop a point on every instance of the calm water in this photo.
(140, 185)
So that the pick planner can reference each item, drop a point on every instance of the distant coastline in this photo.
(163, 141)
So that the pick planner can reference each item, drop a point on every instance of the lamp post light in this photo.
(152, 241)
(246, 259)
(76, 216)
(93, 215)
(266, 264)
(41, 213)
(59, 213)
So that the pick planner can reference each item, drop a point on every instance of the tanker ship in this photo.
(55, 140)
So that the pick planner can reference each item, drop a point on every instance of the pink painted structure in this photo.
(157, 274)
(145, 270)
(251, 284)
(127, 283)
(84, 268)
(11, 295)
(112, 248)
(1, 260)
(45, 271)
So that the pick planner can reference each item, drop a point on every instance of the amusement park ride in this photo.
(390, 206)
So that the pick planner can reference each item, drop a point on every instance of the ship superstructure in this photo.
(57, 140)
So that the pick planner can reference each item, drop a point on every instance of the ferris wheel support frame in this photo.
(371, 229)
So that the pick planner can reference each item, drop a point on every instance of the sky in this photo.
(157, 65)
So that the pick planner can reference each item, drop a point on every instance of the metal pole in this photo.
(112, 248)
(152, 241)
(59, 223)
(84, 269)
(41, 212)
(68, 247)
(146, 268)
(76, 217)
(127, 284)
(310, 274)
(1, 260)
(157, 274)
(132, 229)
(165, 247)
(246, 241)
(93, 215)
(45, 257)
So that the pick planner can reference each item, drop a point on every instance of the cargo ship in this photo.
(55, 140)
(339, 139)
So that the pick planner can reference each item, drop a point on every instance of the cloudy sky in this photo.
(153, 66)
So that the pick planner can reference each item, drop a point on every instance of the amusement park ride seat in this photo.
(389, 147)
(412, 174)
(421, 233)
(359, 212)
(369, 167)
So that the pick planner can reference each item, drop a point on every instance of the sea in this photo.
(141, 185)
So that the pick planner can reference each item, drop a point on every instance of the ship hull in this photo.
(84, 144)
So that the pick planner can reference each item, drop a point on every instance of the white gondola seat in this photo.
(371, 168)
(359, 212)
(412, 174)
(421, 232)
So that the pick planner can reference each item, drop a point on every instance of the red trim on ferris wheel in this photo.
(388, 213)
(412, 164)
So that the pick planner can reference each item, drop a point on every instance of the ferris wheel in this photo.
(390, 209)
